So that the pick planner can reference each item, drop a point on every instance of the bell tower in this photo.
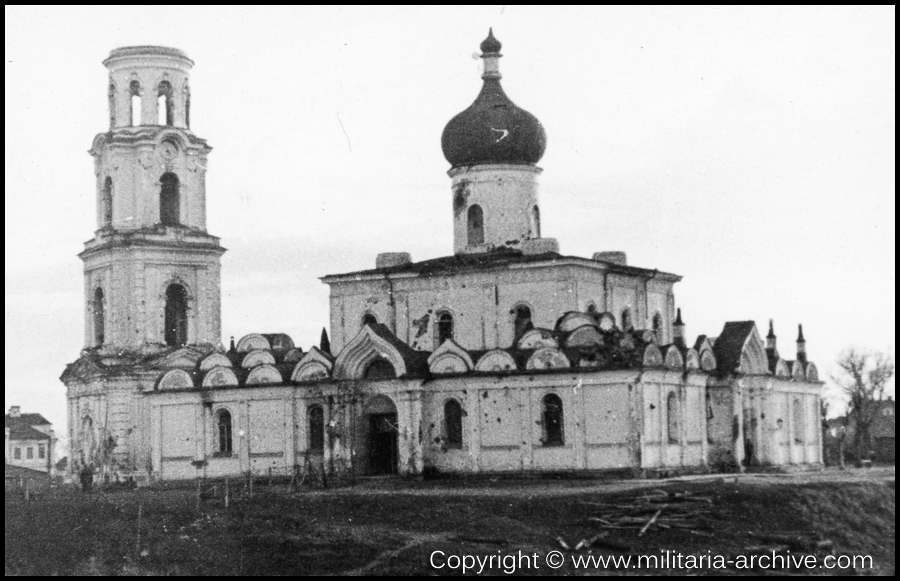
(151, 271)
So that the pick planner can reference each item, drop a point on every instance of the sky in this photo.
(750, 150)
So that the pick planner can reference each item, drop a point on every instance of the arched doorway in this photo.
(382, 442)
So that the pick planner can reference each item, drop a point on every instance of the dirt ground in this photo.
(497, 526)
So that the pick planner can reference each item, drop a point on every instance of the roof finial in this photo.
(800, 338)
(678, 320)
(490, 53)
(490, 45)
(771, 334)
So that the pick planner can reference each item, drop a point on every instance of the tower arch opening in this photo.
(165, 105)
(135, 91)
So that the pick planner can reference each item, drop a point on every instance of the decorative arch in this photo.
(214, 360)
(175, 379)
(584, 336)
(692, 360)
(87, 439)
(257, 357)
(175, 330)
(293, 356)
(537, 338)
(496, 361)
(264, 374)
(187, 105)
(573, 320)
(314, 366)
(657, 325)
(380, 404)
(754, 360)
(380, 368)
(107, 203)
(707, 360)
(548, 358)
(672, 418)
(652, 356)
(782, 369)
(111, 95)
(798, 420)
(674, 358)
(625, 318)
(362, 350)
(797, 370)
(475, 225)
(252, 342)
(169, 199)
(220, 377)
(450, 357)
(280, 342)
(812, 372)
(98, 308)
(606, 321)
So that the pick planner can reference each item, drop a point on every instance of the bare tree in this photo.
(865, 375)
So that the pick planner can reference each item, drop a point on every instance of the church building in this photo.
(504, 356)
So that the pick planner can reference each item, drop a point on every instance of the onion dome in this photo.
(493, 129)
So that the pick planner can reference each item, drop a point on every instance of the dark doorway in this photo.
(383, 449)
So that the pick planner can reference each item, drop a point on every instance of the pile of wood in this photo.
(650, 511)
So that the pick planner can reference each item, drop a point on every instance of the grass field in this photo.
(395, 526)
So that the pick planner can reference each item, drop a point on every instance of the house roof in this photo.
(730, 344)
(503, 258)
(28, 420)
(25, 432)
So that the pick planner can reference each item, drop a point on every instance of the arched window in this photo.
(369, 319)
(553, 420)
(176, 316)
(475, 226)
(223, 433)
(380, 369)
(316, 425)
(107, 201)
(112, 106)
(169, 206)
(626, 319)
(536, 221)
(165, 106)
(522, 320)
(672, 418)
(135, 89)
(799, 424)
(453, 430)
(99, 308)
(657, 326)
(444, 327)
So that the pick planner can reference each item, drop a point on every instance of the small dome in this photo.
(490, 44)
(493, 129)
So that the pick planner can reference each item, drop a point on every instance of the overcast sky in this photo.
(750, 150)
